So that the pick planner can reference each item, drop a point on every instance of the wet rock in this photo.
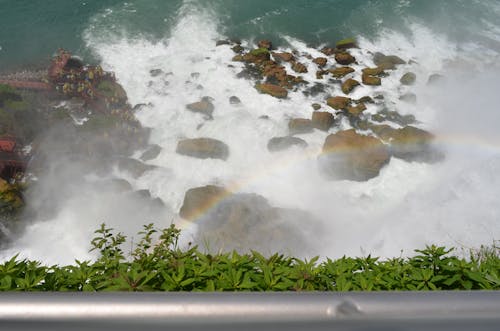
(355, 111)
(338, 102)
(349, 85)
(277, 144)
(134, 167)
(265, 44)
(383, 131)
(151, 153)
(250, 73)
(300, 125)
(387, 61)
(203, 148)
(349, 155)
(204, 106)
(413, 144)
(238, 49)
(284, 56)
(273, 90)
(320, 61)
(299, 67)
(346, 43)
(316, 106)
(365, 99)
(435, 79)
(234, 100)
(344, 58)
(222, 42)
(322, 120)
(257, 56)
(316, 89)
(199, 200)
(340, 72)
(328, 51)
(155, 72)
(11, 198)
(408, 78)
(371, 80)
(321, 73)
(408, 97)
(377, 71)
(393, 116)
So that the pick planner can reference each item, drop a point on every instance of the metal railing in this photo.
(251, 311)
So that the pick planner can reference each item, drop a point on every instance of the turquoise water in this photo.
(31, 30)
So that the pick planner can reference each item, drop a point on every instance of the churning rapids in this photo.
(408, 205)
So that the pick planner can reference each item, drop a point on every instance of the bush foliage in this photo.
(158, 264)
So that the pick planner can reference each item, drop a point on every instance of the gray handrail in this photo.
(479, 310)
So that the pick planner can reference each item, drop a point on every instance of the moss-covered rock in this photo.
(277, 144)
(346, 43)
(300, 125)
(408, 78)
(349, 85)
(273, 90)
(203, 148)
(340, 72)
(349, 155)
(338, 102)
(322, 120)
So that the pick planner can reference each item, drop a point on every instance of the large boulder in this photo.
(285, 56)
(338, 103)
(413, 144)
(349, 155)
(377, 71)
(387, 61)
(371, 80)
(300, 125)
(408, 78)
(151, 153)
(340, 72)
(244, 222)
(204, 106)
(322, 120)
(277, 144)
(198, 200)
(203, 148)
(273, 90)
(320, 61)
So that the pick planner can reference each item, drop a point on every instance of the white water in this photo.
(408, 205)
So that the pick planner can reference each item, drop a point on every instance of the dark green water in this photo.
(31, 30)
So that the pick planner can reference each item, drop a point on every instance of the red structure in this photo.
(12, 162)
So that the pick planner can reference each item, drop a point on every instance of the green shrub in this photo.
(158, 264)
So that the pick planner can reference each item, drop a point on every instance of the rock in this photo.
(134, 167)
(321, 73)
(383, 131)
(151, 153)
(314, 90)
(222, 42)
(408, 78)
(344, 58)
(285, 56)
(320, 61)
(238, 58)
(277, 144)
(328, 51)
(155, 72)
(377, 71)
(435, 79)
(234, 100)
(203, 148)
(387, 61)
(245, 222)
(205, 107)
(408, 97)
(393, 116)
(340, 72)
(257, 56)
(198, 200)
(316, 106)
(349, 85)
(250, 72)
(11, 199)
(338, 102)
(273, 90)
(299, 67)
(300, 125)
(357, 110)
(265, 44)
(322, 120)
(371, 80)
(349, 155)
(365, 99)
(346, 43)
(237, 49)
(413, 144)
